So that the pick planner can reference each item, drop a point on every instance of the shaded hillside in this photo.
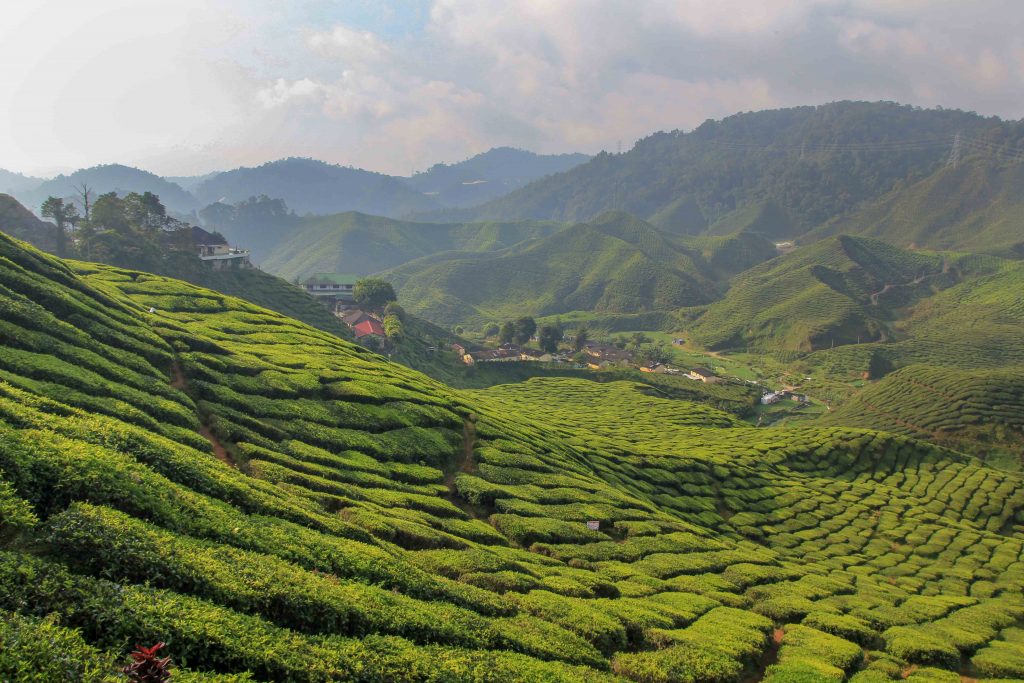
(615, 264)
(310, 186)
(489, 175)
(976, 323)
(978, 411)
(267, 498)
(17, 221)
(976, 206)
(358, 243)
(814, 162)
(110, 178)
(11, 182)
(840, 291)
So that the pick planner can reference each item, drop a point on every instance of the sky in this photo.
(185, 87)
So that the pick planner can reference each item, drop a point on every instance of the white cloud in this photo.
(191, 85)
(283, 92)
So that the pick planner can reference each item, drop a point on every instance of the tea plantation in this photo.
(275, 503)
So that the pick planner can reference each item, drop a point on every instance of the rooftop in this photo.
(331, 279)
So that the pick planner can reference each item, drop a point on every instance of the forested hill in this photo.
(814, 162)
(489, 175)
(311, 186)
(977, 205)
(109, 178)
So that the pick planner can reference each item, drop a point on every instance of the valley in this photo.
(727, 407)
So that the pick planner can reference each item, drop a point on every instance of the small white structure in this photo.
(223, 256)
(771, 397)
(594, 525)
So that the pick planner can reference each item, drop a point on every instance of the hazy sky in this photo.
(190, 86)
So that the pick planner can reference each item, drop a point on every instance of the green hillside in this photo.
(975, 206)
(839, 291)
(813, 163)
(358, 243)
(267, 498)
(975, 323)
(615, 263)
(978, 411)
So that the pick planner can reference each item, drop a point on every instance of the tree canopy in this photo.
(373, 292)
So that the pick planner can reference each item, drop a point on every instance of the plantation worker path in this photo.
(179, 382)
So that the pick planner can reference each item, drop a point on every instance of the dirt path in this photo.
(889, 286)
(179, 382)
(218, 448)
(177, 376)
(769, 657)
(466, 462)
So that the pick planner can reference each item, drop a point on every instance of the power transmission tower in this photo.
(954, 154)
(620, 147)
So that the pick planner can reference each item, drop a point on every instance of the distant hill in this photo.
(615, 263)
(310, 186)
(11, 182)
(814, 163)
(19, 222)
(489, 175)
(357, 243)
(839, 291)
(977, 206)
(110, 178)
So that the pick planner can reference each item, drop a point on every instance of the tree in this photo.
(394, 308)
(64, 216)
(524, 329)
(373, 292)
(581, 338)
(656, 353)
(507, 333)
(549, 337)
(393, 327)
(492, 329)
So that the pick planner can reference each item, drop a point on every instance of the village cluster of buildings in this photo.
(336, 291)
(506, 353)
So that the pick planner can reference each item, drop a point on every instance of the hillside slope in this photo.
(17, 221)
(978, 411)
(975, 206)
(357, 243)
(615, 263)
(843, 290)
(815, 163)
(268, 498)
(310, 186)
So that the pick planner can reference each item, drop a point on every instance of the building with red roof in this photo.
(368, 327)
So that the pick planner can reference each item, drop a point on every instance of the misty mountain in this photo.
(110, 178)
(11, 182)
(310, 186)
(814, 163)
(489, 175)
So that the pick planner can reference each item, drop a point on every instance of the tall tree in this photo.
(64, 216)
(524, 327)
(85, 197)
(581, 338)
(507, 332)
(549, 336)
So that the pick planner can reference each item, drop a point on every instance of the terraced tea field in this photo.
(976, 410)
(275, 503)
